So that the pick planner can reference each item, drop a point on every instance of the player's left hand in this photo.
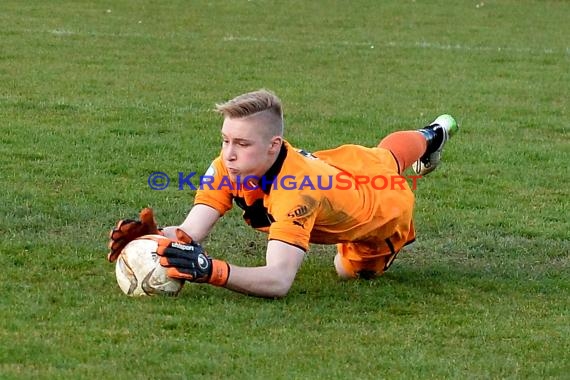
(127, 230)
(190, 262)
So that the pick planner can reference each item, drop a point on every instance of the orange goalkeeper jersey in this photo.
(316, 198)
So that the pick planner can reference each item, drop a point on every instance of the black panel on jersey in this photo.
(255, 215)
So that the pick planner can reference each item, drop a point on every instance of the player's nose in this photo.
(230, 152)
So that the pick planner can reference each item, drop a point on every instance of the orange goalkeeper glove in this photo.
(189, 261)
(128, 230)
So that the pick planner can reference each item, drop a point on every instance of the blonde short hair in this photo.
(261, 103)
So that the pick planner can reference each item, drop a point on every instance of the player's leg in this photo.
(407, 147)
(353, 261)
(344, 268)
(422, 148)
(350, 269)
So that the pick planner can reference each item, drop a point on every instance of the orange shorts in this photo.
(369, 261)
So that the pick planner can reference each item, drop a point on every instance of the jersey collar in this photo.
(270, 175)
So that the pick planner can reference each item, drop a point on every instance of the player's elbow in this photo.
(283, 262)
(280, 286)
(282, 281)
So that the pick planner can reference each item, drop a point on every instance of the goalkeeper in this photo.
(368, 225)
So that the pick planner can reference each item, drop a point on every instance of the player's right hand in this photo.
(190, 262)
(127, 230)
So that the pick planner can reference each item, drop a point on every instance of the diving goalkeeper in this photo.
(369, 225)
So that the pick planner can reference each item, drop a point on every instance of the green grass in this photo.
(92, 101)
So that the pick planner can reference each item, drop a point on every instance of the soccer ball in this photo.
(139, 272)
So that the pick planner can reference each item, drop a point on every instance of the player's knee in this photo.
(343, 268)
(347, 269)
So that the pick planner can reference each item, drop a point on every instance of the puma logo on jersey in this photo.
(298, 223)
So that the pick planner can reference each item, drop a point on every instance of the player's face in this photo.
(245, 150)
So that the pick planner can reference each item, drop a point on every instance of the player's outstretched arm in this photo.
(198, 223)
(272, 280)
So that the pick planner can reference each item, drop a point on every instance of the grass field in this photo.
(96, 95)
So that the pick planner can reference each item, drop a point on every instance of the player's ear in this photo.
(275, 144)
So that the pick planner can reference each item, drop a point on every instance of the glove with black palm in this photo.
(189, 261)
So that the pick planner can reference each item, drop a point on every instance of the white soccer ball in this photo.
(139, 272)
